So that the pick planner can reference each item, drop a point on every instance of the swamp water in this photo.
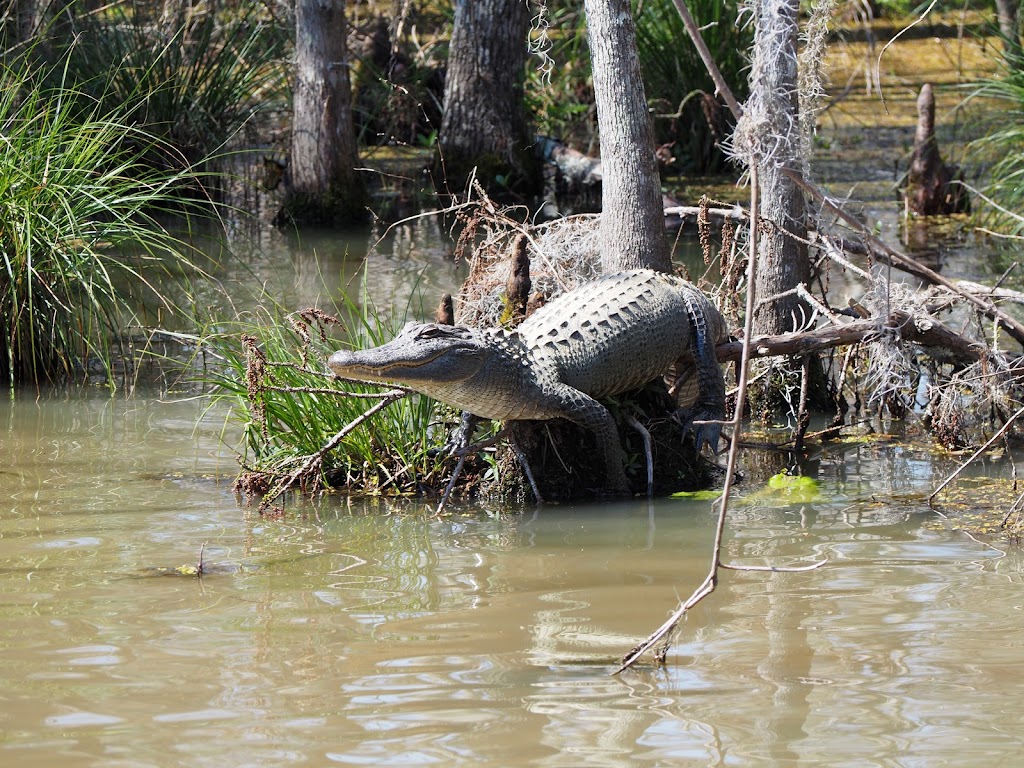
(368, 634)
(361, 633)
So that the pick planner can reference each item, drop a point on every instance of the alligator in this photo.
(614, 334)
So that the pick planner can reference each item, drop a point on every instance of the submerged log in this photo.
(932, 187)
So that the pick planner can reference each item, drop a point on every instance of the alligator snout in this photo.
(341, 360)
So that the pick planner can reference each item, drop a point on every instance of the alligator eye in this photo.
(431, 332)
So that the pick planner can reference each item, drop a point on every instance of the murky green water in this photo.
(367, 636)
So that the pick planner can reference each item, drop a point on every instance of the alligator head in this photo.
(428, 357)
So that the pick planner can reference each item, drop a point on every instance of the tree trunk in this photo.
(632, 214)
(930, 189)
(1007, 13)
(324, 187)
(782, 259)
(632, 236)
(484, 125)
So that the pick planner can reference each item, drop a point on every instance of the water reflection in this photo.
(358, 633)
(402, 263)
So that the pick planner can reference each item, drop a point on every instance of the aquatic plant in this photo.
(274, 374)
(81, 249)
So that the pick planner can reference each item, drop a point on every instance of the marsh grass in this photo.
(1001, 148)
(679, 89)
(82, 249)
(191, 75)
(274, 375)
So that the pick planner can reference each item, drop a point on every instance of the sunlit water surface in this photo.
(368, 635)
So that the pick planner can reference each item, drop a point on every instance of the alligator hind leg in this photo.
(584, 410)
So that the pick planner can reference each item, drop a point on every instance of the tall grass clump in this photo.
(1000, 149)
(273, 372)
(81, 249)
(190, 74)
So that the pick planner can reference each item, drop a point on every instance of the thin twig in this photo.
(1014, 509)
(311, 460)
(526, 470)
(975, 455)
(876, 72)
(648, 451)
(451, 486)
(711, 580)
(803, 416)
(479, 446)
(721, 87)
(329, 391)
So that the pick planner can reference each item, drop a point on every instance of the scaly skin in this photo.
(608, 336)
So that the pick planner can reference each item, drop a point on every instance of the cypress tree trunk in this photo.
(632, 215)
(782, 260)
(484, 124)
(324, 187)
(1008, 15)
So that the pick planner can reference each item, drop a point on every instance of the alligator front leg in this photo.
(462, 436)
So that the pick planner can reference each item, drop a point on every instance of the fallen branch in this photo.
(314, 459)
(711, 580)
(926, 331)
(736, 213)
(887, 253)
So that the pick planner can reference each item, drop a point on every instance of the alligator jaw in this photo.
(354, 365)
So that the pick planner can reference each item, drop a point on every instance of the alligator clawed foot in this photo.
(709, 433)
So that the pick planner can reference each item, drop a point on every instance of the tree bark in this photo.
(1007, 13)
(782, 257)
(929, 189)
(632, 217)
(324, 187)
(484, 126)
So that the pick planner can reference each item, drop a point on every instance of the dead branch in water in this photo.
(926, 331)
(981, 450)
(312, 462)
(662, 633)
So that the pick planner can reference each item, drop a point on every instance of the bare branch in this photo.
(775, 568)
(921, 330)
(315, 458)
(976, 454)
(648, 452)
(711, 581)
